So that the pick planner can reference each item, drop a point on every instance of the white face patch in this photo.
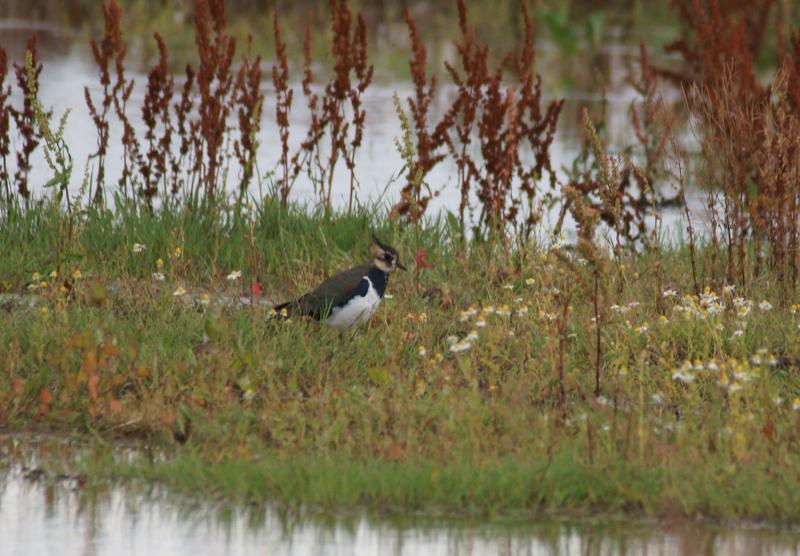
(358, 309)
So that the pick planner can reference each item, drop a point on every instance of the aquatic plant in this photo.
(214, 79)
(156, 113)
(283, 106)
(429, 138)
(249, 102)
(25, 118)
(5, 127)
(107, 51)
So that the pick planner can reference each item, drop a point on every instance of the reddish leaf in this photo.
(92, 383)
(422, 259)
(45, 397)
(255, 289)
(90, 362)
(18, 385)
(768, 430)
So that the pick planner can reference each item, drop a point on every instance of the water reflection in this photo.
(46, 517)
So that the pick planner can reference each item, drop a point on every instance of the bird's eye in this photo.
(388, 257)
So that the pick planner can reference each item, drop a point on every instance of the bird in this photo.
(351, 296)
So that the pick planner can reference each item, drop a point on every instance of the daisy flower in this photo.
(461, 345)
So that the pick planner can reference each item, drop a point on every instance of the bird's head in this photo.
(385, 257)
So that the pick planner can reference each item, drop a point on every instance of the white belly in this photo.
(358, 309)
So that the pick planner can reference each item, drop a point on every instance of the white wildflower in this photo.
(743, 311)
(682, 376)
(772, 360)
(462, 345)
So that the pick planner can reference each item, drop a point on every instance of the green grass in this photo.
(509, 487)
(296, 412)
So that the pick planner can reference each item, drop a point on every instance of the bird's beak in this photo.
(400, 266)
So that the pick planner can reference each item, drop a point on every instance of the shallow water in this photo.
(68, 69)
(43, 517)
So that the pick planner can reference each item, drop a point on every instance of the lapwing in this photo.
(351, 296)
